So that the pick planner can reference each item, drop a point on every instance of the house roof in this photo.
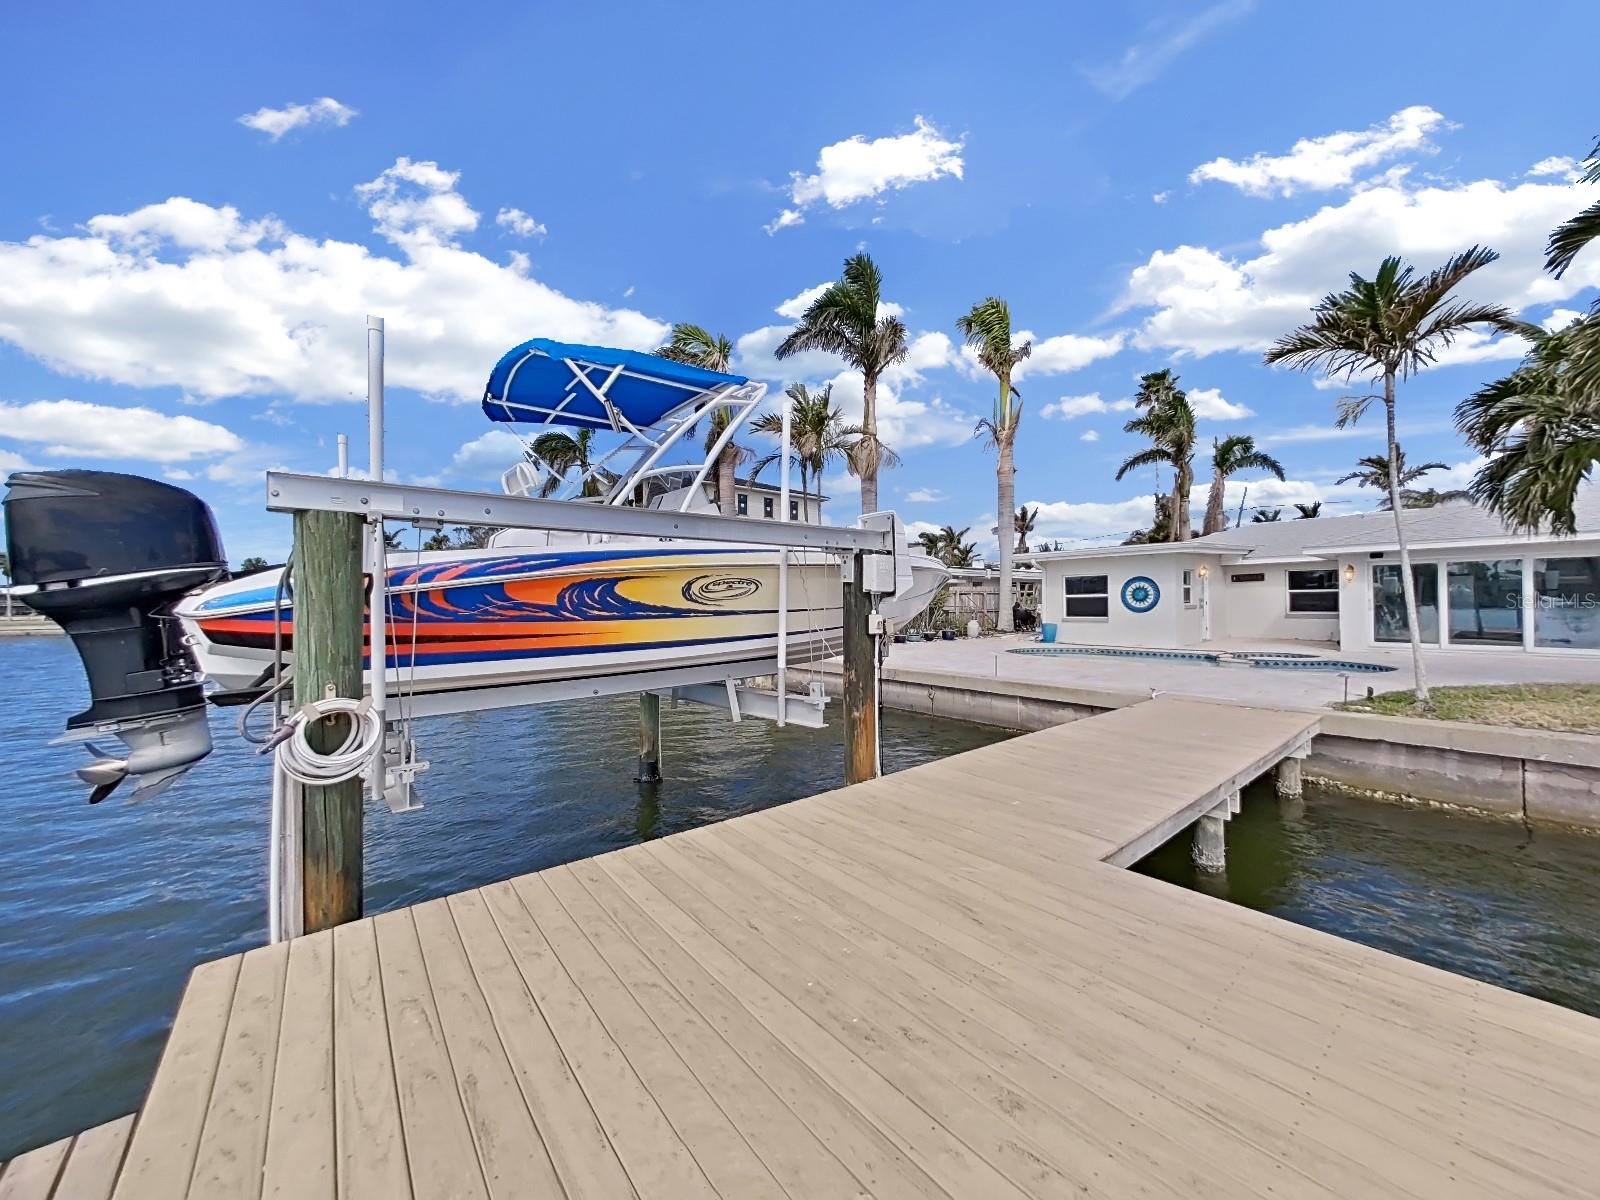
(1450, 524)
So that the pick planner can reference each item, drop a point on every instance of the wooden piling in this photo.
(1289, 785)
(329, 629)
(649, 738)
(1210, 846)
(860, 683)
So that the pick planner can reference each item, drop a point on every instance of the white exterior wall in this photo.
(810, 511)
(1168, 624)
(1261, 610)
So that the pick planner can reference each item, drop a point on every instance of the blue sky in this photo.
(203, 202)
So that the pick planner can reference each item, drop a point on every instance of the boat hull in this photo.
(466, 620)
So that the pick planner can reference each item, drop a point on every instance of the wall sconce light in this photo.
(1349, 572)
(1203, 570)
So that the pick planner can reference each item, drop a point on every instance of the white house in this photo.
(751, 497)
(1336, 581)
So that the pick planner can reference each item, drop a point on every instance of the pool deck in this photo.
(932, 984)
(988, 658)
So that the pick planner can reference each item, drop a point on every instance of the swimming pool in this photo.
(1269, 660)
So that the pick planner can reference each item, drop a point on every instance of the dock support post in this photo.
(1209, 853)
(649, 737)
(328, 624)
(1289, 785)
(860, 683)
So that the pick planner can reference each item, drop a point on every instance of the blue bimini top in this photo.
(538, 383)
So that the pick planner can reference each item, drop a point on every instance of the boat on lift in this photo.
(134, 571)
(537, 606)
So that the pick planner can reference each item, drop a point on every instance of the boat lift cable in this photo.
(300, 760)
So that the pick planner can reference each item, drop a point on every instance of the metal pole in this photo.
(344, 456)
(378, 639)
(783, 567)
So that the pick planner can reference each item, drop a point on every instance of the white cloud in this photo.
(1208, 404)
(1145, 60)
(1561, 164)
(925, 496)
(515, 221)
(755, 354)
(1370, 429)
(416, 203)
(795, 306)
(856, 169)
(187, 295)
(904, 422)
(1069, 407)
(1089, 435)
(78, 429)
(1160, 197)
(1065, 352)
(275, 122)
(915, 529)
(490, 453)
(1331, 161)
(1204, 301)
(1560, 318)
(1091, 518)
(10, 461)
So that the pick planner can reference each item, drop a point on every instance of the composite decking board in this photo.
(515, 1161)
(300, 1161)
(370, 1153)
(939, 1075)
(792, 1154)
(234, 1141)
(440, 1150)
(1098, 1137)
(938, 1152)
(91, 1169)
(656, 1159)
(32, 1176)
(161, 1154)
(1165, 1023)
(582, 1154)
(845, 1129)
(926, 985)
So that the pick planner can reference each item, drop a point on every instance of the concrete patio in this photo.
(990, 658)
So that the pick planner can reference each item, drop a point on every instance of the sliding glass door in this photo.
(1389, 602)
(1485, 602)
(1567, 599)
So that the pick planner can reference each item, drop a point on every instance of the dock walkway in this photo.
(933, 984)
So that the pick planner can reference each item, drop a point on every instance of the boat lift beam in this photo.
(290, 492)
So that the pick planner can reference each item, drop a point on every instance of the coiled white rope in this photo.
(302, 761)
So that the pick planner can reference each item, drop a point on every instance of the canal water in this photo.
(104, 910)
(1494, 900)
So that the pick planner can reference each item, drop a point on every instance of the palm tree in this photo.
(1160, 527)
(845, 320)
(818, 435)
(562, 453)
(948, 546)
(1263, 515)
(1372, 470)
(1307, 511)
(694, 345)
(1387, 328)
(1432, 497)
(1027, 521)
(1540, 425)
(1229, 456)
(1168, 422)
(987, 329)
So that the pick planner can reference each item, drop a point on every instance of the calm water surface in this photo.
(104, 910)
(1490, 899)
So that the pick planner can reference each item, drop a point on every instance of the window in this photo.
(766, 507)
(1389, 602)
(1566, 595)
(1087, 597)
(1485, 602)
(1314, 593)
(744, 504)
(794, 510)
(1188, 589)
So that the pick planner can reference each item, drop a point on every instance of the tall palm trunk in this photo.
(869, 425)
(1182, 485)
(1408, 586)
(1006, 479)
(727, 502)
(1216, 515)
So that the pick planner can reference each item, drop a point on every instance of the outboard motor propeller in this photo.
(103, 555)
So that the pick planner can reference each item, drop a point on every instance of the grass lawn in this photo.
(1565, 707)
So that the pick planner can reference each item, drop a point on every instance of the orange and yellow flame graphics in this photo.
(556, 603)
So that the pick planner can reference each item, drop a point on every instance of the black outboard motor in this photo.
(102, 555)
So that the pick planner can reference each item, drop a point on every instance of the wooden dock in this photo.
(933, 984)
